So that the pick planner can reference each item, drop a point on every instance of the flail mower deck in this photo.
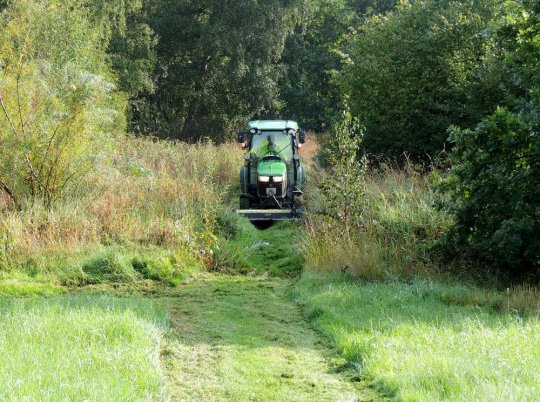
(258, 215)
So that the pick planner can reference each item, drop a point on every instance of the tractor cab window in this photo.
(279, 144)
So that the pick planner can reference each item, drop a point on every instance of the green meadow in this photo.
(424, 341)
(81, 348)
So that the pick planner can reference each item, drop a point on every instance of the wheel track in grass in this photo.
(238, 338)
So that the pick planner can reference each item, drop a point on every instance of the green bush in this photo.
(408, 74)
(58, 103)
(494, 190)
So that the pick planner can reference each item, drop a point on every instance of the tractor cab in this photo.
(272, 177)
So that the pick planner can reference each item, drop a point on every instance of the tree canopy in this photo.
(219, 63)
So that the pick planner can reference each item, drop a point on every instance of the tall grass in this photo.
(399, 237)
(155, 200)
(398, 225)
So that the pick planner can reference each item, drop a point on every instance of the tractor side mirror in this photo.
(302, 137)
(241, 137)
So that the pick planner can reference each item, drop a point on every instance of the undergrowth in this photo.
(397, 228)
(149, 211)
(399, 234)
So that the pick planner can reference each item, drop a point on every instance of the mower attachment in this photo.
(271, 214)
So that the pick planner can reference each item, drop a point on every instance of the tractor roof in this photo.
(275, 125)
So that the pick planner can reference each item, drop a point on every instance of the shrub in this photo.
(57, 103)
(495, 184)
(408, 74)
(343, 188)
(494, 190)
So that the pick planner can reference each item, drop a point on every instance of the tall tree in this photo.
(311, 59)
(409, 72)
(131, 47)
(307, 89)
(219, 62)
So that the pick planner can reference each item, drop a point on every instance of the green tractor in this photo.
(272, 177)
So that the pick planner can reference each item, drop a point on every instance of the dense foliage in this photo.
(57, 103)
(219, 63)
(408, 74)
(495, 185)
(495, 189)
(308, 89)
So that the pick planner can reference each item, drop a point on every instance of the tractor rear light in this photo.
(264, 179)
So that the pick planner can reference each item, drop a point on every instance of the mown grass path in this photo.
(242, 339)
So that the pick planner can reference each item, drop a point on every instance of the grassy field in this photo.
(151, 227)
(225, 337)
(238, 338)
(95, 348)
(216, 338)
(422, 341)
